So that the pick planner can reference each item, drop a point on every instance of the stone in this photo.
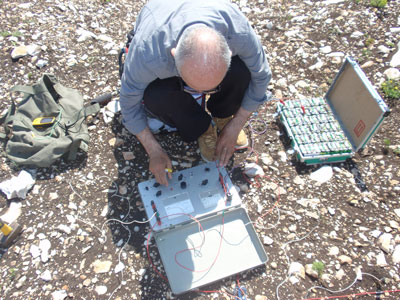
(19, 52)
(128, 155)
(253, 170)
(385, 242)
(297, 269)
(344, 259)
(395, 61)
(46, 276)
(101, 289)
(333, 251)
(267, 240)
(310, 271)
(322, 175)
(340, 274)
(381, 260)
(396, 255)
(261, 297)
(100, 266)
(59, 295)
(392, 73)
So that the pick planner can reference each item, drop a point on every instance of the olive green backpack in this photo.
(47, 124)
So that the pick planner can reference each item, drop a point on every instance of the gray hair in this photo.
(204, 46)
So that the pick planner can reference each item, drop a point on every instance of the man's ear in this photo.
(173, 52)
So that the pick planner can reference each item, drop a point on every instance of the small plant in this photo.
(13, 273)
(387, 142)
(369, 42)
(391, 88)
(16, 34)
(378, 3)
(5, 33)
(318, 266)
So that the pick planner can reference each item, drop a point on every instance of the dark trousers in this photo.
(165, 99)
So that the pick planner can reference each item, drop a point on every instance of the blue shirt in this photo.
(157, 30)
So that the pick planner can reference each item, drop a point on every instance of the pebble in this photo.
(396, 255)
(100, 266)
(101, 289)
(381, 260)
(297, 269)
(59, 295)
(385, 242)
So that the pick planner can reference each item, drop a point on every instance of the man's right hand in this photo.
(159, 160)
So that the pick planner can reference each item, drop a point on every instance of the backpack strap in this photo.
(7, 118)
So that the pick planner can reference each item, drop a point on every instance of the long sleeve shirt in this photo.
(157, 30)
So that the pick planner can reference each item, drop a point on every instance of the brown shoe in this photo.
(207, 143)
(242, 141)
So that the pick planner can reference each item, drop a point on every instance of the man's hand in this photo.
(227, 140)
(226, 143)
(159, 160)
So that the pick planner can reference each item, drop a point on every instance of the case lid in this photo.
(225, 245)
(191, 193)
(356, 104)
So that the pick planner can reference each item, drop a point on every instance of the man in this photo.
(185, 47)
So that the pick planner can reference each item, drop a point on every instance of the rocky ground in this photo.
(342, 219)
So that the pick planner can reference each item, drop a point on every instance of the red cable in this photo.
(189, 249)
(352, 295)
(151, 230)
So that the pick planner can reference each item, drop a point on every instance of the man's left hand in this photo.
(227, 140)
(226, 143)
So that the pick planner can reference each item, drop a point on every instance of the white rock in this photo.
(267, 240)
(318, 65)
(333, 251)
(19, 52)
(325, 49)
(328, 2)
(396, 255)
(298, 180)
(46, 276)
(297, 269)
(59, 295)
(336, 54)
(392, 73)
(344, 259)
(267, 159)
(84, 35)
(282, 155)
(113, 106)
(322, 175)
(381, 260)
(44, 246)
(313, 202)
(64, 228)
(41, 63)
(101, 289)
(253, 170)
(395, 61)
(311, 272)
(100, 266)
(141, 272)
(33, 50)
(340, 274)
(383, 49)
(397, 212)
(357, 34)
(72, 205)
(385, 242)
(35, 251)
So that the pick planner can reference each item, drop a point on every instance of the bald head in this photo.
(202, 57)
